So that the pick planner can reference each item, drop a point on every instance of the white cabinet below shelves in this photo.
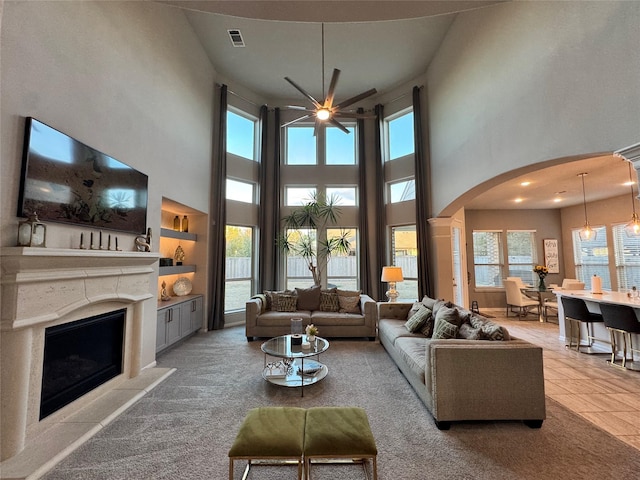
(177, 319)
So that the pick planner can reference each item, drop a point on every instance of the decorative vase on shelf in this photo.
(185, 224)
(176, 223)
(541, 286)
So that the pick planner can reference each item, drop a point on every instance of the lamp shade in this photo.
(392, 274)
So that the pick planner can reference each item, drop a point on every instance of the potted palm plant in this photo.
(298, 237)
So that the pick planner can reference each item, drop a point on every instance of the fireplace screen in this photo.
(80, 356)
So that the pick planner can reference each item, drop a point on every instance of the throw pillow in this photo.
(329, 302)
(428, 302)
(427, 328)
(467, 332)
(286, 303)
(416, 306)
(309, 298)
(489, 330)
(447, 323)
(273, 298)
(418, 319)
(349, 304)
(348, 293)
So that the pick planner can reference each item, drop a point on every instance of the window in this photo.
(301, 146)
(238, 267)
(521, 255)
(627, 253)
(487, 258)
(404, 253)
(240, 191)
(296, 196)
(402, 191)
(342, 270)
(400, 135)
(346, 195)
(298, 273)
(340, 147)
(241, 135)
(592, 257)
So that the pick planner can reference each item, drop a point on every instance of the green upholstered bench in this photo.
(339, 433)
(270, 433)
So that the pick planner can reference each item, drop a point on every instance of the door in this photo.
(458, 278)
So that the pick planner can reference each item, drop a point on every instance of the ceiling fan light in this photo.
(323, 114)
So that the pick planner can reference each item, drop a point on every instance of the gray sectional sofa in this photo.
(336, 313)
(487, 375)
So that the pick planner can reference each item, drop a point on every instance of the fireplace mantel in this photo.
(40, 285)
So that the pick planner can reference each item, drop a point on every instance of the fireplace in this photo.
(94, 298)
(80, 356)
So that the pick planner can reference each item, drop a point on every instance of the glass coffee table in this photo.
(292, 370)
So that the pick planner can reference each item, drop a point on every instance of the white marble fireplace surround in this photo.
(43, 287)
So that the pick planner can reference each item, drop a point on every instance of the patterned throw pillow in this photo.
(416, 306)
(273, 298)
(418, 319)
(468, 332)
(329, 302)
(427, 328)
(286, 303)
(447, 323)
(488, 329)
(349, 304)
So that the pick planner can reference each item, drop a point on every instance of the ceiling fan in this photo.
(326, 111)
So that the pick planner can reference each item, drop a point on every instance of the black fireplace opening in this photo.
(80, 356)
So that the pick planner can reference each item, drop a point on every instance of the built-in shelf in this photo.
(176, 269)
(167, 232)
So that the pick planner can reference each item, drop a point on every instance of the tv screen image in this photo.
(64, 180)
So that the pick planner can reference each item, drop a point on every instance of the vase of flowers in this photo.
(542, 272)
(311, 330)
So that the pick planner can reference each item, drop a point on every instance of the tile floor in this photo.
(607, 396)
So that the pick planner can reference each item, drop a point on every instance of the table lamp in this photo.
(391, 275)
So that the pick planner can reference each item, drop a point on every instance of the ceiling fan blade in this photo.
(336, 123)
(304, 117)
(298, 107)
(332, 88)
(353, 115)
(355, 99)
(301, 90)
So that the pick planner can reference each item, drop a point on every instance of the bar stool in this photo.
(575, 310)
(621, 319)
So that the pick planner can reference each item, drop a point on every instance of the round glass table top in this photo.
(283, 347)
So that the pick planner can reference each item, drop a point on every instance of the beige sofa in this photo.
(461, 379)
(261, 321)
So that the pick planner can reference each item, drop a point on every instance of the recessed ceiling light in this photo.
(629, 183)
(519, 200)
(557, 199)
(525, 184)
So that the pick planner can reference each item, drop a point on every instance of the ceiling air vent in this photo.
(236, 38)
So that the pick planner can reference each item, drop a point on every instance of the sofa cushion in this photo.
(413, 352)
(308, 298)
(287, 303)
(418, 319)
(320, 318)
(329, 301)
(349, 303)
(447, 322)
(394, 329)
(282, 319)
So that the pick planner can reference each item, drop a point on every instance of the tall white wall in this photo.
(127, 78)
(524, 82)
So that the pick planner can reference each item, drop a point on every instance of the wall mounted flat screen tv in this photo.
(64, 180)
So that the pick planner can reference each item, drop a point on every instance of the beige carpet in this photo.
(183, 429)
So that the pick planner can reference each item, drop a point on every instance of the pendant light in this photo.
(632, 229)
(587, 233)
